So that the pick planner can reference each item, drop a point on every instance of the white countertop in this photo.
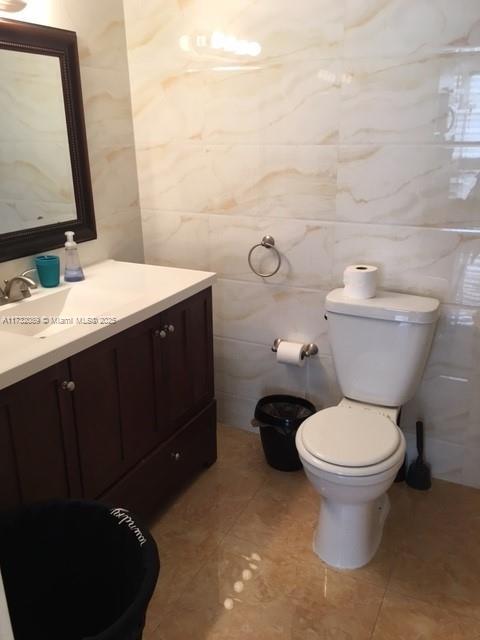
(125, 292)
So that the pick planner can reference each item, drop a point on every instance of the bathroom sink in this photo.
(53, 324)
(45, 315)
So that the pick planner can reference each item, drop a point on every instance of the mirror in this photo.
(36, 186)
(45, 186)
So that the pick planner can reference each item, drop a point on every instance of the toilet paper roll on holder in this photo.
(308, 350)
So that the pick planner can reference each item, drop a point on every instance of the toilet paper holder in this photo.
(308, 350)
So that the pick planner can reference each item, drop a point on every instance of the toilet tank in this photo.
(380, 345)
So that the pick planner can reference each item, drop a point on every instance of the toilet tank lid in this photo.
(386, 305)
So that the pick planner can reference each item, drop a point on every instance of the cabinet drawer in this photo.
(192, 448)
(167, 468)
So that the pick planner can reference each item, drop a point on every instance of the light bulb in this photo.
(12, 5)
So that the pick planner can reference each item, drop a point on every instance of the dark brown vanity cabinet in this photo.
(126, 420)
(38, 458)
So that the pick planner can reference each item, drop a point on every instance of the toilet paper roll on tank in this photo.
(360, 281)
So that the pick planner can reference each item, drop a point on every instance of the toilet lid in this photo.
(350, 437)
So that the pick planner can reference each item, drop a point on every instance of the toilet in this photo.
(351, 453)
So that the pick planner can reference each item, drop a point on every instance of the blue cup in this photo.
(48, 268)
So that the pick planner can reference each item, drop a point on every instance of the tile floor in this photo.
(237, 561)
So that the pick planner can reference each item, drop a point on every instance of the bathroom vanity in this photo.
(106, 385)
(117, 405)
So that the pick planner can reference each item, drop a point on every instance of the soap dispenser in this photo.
(73, 268)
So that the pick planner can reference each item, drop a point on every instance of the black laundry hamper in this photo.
(76, 570)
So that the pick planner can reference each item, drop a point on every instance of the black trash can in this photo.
(76, 570)
(278, 418)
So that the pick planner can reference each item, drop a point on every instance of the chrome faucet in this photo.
(17, 288)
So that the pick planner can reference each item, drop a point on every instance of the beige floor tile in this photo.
(289, 486)
(241, 515)
(451, 581)
(183, 547)
(377, 571)
(219, 495)
(247, 622)
(447, 501)
(279, 521)
(439, 562)
(453, 512)
(280, 598)
(403, 618)
(240, 449)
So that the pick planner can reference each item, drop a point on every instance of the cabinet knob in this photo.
(175, 456)
(68, 385)
(160, 333)
(170, 328)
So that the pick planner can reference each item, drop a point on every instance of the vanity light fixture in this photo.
(12, 5)
(219, 41)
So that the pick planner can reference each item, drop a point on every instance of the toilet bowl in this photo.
(351, 454)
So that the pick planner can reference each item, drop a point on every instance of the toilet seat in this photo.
(351, 441)
(350, 437)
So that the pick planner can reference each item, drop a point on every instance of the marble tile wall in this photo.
(100, 29)
(350, 131)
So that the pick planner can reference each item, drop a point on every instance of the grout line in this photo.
(385, 591)
(186, 143)
(377, 617)
(247, 504)
(181, 593)
(242, 510)
(326, 222)
(259, 283)
(324, 290)
(434, 605)
(235, 395)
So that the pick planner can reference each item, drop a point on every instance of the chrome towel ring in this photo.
(269, 243)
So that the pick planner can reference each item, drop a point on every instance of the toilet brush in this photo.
(418, 474)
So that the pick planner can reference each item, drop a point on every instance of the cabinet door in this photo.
(96, 402)
(141, 398)
(116, 401)
(200, 345)
(186, 357)
(38, 456)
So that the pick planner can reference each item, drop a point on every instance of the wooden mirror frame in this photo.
(32, 38)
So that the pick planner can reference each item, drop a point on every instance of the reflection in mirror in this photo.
(36, 185)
